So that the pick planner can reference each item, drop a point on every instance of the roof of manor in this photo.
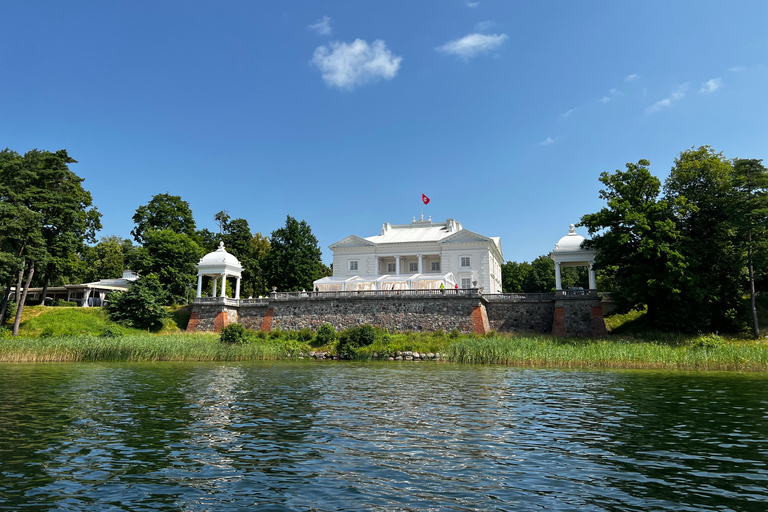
(450, 231)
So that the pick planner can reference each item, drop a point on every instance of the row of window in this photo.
(414, 266)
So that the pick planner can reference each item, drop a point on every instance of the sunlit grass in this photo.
(143, 347)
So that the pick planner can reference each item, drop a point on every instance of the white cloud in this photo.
(547, 141)
(629, 78)
(711, 85)
(613, 93)
(472, 5)
(473, 44)
(322, 26)
(483, 26)
(737, 69)
(348, 65)
(676, 95)
(567, 114)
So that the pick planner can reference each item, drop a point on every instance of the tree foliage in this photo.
(142, 306)
(294, 262)
(45, 218)
(163, 212)
(685, 253)
(170, 256)
(637, 240)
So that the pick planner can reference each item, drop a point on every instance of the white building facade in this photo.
(423, 254)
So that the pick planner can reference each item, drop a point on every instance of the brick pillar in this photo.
(222, 320)
(598, 324)
(194, 318)
(558, 323)
(266, 324)
(480, 320)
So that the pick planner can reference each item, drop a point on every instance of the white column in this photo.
(397, 265)
(376, 270)
(558, 285)
(213, 288)
(199, 285)
(237, 289)
(223, 285)
(592, 277)
(419, 257)
(86, 295)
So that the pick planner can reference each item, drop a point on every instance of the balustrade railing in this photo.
(448, 292)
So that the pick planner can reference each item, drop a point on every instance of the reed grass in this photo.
(143, 348)
(545, 351)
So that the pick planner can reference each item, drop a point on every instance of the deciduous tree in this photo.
(163, 211)
(294, 262)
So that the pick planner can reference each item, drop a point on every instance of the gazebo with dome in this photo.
(568, 252)
(219, 264)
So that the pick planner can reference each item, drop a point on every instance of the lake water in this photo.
(385, 436)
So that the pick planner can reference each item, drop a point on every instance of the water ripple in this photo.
(288, 436)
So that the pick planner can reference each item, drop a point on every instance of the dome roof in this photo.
(570, 242)
(218, 258)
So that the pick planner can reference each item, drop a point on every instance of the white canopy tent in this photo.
(385, 282)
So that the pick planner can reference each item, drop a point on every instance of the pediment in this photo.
(465, 236)
(351, 241)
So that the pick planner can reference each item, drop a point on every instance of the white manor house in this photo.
(419, 255)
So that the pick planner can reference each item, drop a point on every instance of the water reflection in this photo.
(294, 436)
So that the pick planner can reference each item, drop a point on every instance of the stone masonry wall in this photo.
(252, 316)
(562, 317)
(211, 318)
(396, 313)
(508, 316)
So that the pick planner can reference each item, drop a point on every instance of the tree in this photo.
(513, 275)
(106, 260)
(636, 239)
(294, 262)
(541, 276)
(750, 185)
(56, 211)
(163, 211)
(142, 306)
(700, 191)
(170, 256)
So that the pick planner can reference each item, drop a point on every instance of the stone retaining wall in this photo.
(396, 314)
(564, 316)
(505, 316)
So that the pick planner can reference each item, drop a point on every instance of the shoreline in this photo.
(519, 351)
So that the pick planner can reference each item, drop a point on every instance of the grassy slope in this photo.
(49, 321)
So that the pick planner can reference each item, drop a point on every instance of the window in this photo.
(390, 267)
(435, 266)
(466, 282)
(465, 261)
(353, 265)
(413, 267)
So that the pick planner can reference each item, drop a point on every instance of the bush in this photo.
(233, 333)
(707, 341)
(306, 335)
(63, 304)
(142, 306)
(354, 338)
(326, 335)
(111, 331)
(454, 334)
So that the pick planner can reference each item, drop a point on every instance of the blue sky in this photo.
(344, 113)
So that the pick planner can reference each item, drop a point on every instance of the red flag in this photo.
(424, 199)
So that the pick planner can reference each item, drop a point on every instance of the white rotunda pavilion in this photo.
(219, 264)
(569, 253)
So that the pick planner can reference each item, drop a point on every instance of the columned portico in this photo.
(219, 265)
(568, 252)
